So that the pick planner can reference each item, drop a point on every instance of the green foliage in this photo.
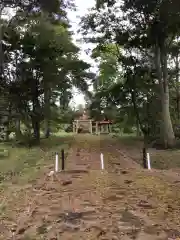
(40, 66)
(137, 42)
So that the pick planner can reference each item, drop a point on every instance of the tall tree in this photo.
(140, 27)
(40, 64)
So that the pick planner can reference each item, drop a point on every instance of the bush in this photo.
(128, 130)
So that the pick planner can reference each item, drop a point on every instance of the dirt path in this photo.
(123, 202)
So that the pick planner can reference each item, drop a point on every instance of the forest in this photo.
(39, 67)
(136, 51)
(58, 182)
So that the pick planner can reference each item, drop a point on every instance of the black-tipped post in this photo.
(144, 158)
(63, 159)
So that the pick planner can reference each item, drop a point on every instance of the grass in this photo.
(165, 159)
(130, 140)
(22, 165)
(160, 159)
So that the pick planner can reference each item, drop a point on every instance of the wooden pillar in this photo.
(91, 128)
(107, 128)
(74, 129)
(104, 128)
(77, 126)
(96, 127)
(110, 128)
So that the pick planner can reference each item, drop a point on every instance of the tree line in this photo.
(39, 66)
(137, 52)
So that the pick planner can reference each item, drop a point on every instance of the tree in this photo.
(143, 28)
(40, 66)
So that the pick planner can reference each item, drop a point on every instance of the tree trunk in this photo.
(136, 111)
(167, 137)
(177, 88)
(36, 129)
(36, 114)
(138, 132)
(1, 49)
(47, 128)
(18, 129)
(6, 130)
(47, 111)
(7, 122)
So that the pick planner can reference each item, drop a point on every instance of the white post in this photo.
(102, 161)
(57, 163)
(148, 161)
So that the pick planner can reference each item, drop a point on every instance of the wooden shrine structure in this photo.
(83, 124)
(104, 126)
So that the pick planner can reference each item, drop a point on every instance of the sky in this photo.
(82, 8)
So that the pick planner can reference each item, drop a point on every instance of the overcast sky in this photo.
(82, 8)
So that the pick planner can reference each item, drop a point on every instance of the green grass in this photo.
(130, 139)
(165, 159)
(160, 159)
(124, 135)
(22, 165)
